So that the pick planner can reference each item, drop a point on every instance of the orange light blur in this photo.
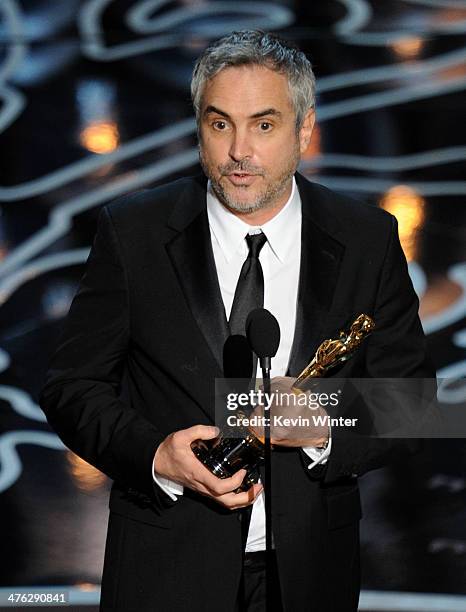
(88, 587)
(450, 15)
(453, 72)
(100, 137)
(86, 477)
(409, 209)
(441, 293)
(408, 48)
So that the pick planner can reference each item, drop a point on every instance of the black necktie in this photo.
(249, 293)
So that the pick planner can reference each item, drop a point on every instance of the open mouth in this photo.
(241, 178)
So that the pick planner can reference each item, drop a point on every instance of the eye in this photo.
(265, 126)
(219, 125)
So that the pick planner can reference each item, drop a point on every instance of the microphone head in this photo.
(263, 333)
(237, 358)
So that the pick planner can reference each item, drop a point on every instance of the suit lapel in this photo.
(191, 255)
(321, 256)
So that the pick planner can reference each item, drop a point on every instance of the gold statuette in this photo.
(332, 352)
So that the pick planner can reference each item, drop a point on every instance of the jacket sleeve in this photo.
(82, 396)
(395, 350)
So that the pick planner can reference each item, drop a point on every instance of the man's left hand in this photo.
(293, 422)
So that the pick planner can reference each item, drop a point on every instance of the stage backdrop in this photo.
(94, 103)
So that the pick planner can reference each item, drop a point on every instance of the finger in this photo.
(278, 382)
(282, 442)
(279, 379)
(200, 432)
(221, 486)
(256, 490)
(277, 436)
(229, 496)
(202, 479)
(198, 475)
(234, 501)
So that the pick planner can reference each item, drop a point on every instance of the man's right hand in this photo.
(174, 459)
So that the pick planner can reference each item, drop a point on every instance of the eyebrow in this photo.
(268, 111)
(264, 113)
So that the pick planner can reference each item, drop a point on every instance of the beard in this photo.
(270, 194)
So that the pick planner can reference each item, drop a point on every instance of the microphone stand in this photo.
(265, 364)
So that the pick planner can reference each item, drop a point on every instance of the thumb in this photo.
(202, 432)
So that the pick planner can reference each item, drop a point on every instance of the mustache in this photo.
(243, 166)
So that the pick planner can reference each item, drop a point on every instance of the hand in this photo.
(300, 429)
(174, 459)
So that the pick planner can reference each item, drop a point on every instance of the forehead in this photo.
(247, 88)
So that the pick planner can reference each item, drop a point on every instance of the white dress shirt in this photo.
(280, 260)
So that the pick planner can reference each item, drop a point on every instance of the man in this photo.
(132, 383)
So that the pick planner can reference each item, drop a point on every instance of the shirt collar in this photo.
(281, 231)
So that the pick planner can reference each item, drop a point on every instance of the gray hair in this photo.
(254, 47)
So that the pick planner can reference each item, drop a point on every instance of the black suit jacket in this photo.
(137, 360)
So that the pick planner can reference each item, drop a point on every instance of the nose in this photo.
(240, 146)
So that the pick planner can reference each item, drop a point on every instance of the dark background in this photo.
(94, 103)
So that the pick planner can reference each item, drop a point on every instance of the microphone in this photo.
(263, 334)
(237, 358)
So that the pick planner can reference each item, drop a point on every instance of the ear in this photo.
(305, 132)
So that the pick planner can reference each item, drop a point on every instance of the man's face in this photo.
(249, 147)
